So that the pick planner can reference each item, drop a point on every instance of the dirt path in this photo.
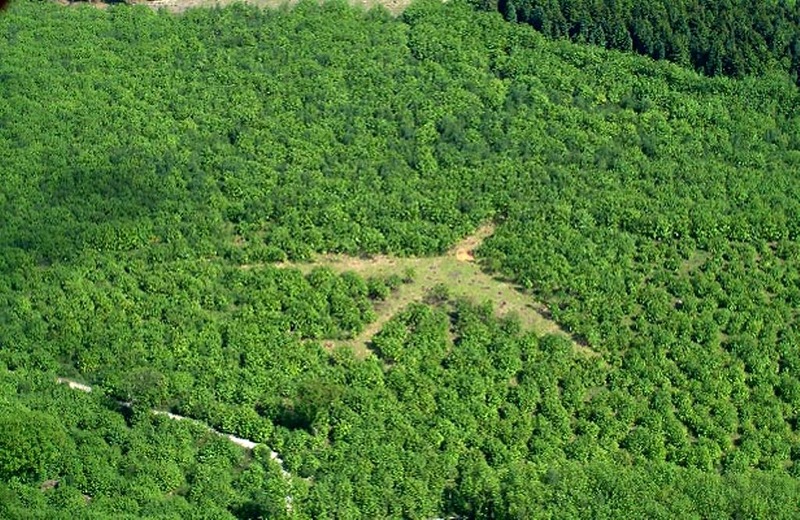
(457, 270)
(244, 443)
(239, 441)
(464, 251)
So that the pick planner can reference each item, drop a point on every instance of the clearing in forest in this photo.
(457, 270)
(395, 7)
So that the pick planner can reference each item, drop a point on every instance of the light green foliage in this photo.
(68, 453)
(154, 166)
(31, 446)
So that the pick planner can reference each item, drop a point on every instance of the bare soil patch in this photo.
(395, 7)
(464, 251)
(457, 270)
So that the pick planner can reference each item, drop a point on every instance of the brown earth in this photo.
(457, 270)
(178, 6)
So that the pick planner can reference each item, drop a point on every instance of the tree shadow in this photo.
(118, 205)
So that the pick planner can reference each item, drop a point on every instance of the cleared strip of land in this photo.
(395, 7)
(244, 443)
(457, 270)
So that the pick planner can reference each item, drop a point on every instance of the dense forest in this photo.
(730, 37)
(161, 172)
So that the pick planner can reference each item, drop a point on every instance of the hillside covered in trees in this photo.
(730, 37)
(161, 174)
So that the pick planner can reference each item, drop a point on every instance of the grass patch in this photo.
(456, 270)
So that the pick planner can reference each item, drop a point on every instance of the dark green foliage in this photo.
(730, 37)
(67, 454)
(439, 293)
(378, 290)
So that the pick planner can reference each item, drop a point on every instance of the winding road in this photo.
(239, 441)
